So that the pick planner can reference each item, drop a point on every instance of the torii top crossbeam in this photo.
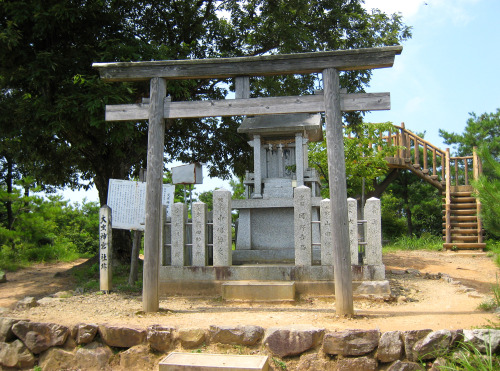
(282, 64)
(332, 102)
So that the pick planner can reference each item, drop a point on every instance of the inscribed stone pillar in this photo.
(105, 250)
(199, 234)
(222, 228)
(373, 251)
(352, 212)
(257, 167)
(326, 233)
(302, 225)
(299, 159)
(178, 237)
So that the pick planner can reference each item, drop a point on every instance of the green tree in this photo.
(482, 130)
(365, 153)
(57, 101)
(488, 188)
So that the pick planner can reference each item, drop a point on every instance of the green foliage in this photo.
(411, 206)
(47, 82)
(424, 242)
(365, 154)
(46, 229)
(488, 188)
(469, 358)
(280, 364)
(482, 130)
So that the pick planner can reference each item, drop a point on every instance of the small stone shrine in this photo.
(265, 231)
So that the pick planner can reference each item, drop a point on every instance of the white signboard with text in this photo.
(127, 200)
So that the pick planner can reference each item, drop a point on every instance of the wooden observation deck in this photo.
(462, 228)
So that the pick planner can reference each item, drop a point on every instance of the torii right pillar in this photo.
(338, 194)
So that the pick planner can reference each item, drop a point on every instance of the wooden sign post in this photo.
(333, 103)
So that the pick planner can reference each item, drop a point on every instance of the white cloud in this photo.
(457, 11)
(407, 8)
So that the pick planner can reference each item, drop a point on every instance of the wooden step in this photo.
(464, 238)
(177, 361)
(463, 206)
(464, 245)
(461, 212)
(463, 218)
(461, 194)
(461, 225)
(461, 231)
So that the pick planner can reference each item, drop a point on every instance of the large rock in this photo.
(16, 354)
(405, 366)
(160, 337)
(410, 339)
(191, 337)
(85, 333)
(6, 333)
(351, 342)
(40, 336)
(289, 341)
(137, 358)
(93, 356)
(122, 337)
(26, 303)
(239, 335)
(57, 359)
(435, 344)
(483, 339)
(390, 347)
(357, 364)
(314, 362)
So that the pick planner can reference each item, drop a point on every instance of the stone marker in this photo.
(352, 214)
(373, 251)
(302, 225)
(105, 250)
(178, 238)
(222, 228)
(326, 232)
(212, 362)
(199, 234)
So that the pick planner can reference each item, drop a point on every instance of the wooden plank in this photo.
(299, 63)
(448, 197)
(251, 106)
(338, 194)
(154, 181)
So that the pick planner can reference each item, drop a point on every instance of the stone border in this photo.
(24, 344)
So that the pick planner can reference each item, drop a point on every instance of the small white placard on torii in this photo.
(127, 200)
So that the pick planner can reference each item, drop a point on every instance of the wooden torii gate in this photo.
(332, 102)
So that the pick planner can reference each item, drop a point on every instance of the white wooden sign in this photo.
(127, 200)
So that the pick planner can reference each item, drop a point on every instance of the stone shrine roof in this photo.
(285, 124)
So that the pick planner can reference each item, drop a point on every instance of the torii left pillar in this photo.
(154, 180)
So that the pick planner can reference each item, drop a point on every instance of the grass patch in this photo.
(469, 358)
(87, 277)
(425, 242)
(493, 248)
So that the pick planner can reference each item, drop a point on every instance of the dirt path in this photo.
(424, 302)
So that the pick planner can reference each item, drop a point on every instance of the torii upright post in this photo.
(338, 194)
(154, 180)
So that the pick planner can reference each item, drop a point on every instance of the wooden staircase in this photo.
(462, 228)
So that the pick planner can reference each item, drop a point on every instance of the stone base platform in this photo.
(213, 362)
(258, 291)
(316, 280)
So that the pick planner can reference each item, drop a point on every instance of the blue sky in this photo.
(448, 69)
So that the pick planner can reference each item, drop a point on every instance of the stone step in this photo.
(213, 362)
(259, 291)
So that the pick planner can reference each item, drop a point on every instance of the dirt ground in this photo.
(421, 300)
